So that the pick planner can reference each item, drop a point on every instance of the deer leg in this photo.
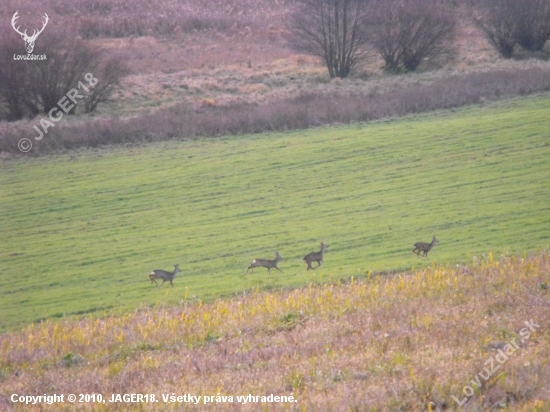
(278, 269)
(171, 283)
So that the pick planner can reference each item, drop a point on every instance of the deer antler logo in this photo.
(29, 40)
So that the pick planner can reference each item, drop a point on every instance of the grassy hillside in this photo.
(80, 232)
(407, 342)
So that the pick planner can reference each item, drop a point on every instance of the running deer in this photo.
(266, 263)
(164, 275)
(424, 247)
(316, 257)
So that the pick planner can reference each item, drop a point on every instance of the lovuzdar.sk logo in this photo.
(29, 40)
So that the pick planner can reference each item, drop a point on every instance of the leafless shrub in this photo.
(533, 24)
(307, 110)
(69, 59)
(407, 33)
(508, 24)
(109, 72)
(332, 30)
(498, 25)
(30, 87)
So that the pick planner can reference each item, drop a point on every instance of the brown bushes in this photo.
(307, 110)
(108, 18)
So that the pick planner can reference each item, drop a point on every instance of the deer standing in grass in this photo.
(420, 247)
(164, 275)
(316, 257)
(266, 263)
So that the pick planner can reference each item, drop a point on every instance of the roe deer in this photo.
(316, 257)
(424, 247)
(266, 263)
(164, 275)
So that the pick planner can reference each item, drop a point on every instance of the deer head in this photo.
(29, 40)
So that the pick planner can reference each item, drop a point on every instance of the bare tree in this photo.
(386, 37)
(69, 59)
(109, 73)
(333, 30)
(30, 87)
(509, 24)
(532, 23)
(498, 23)
(408, 33)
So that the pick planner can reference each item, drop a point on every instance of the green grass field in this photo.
(80, 232)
